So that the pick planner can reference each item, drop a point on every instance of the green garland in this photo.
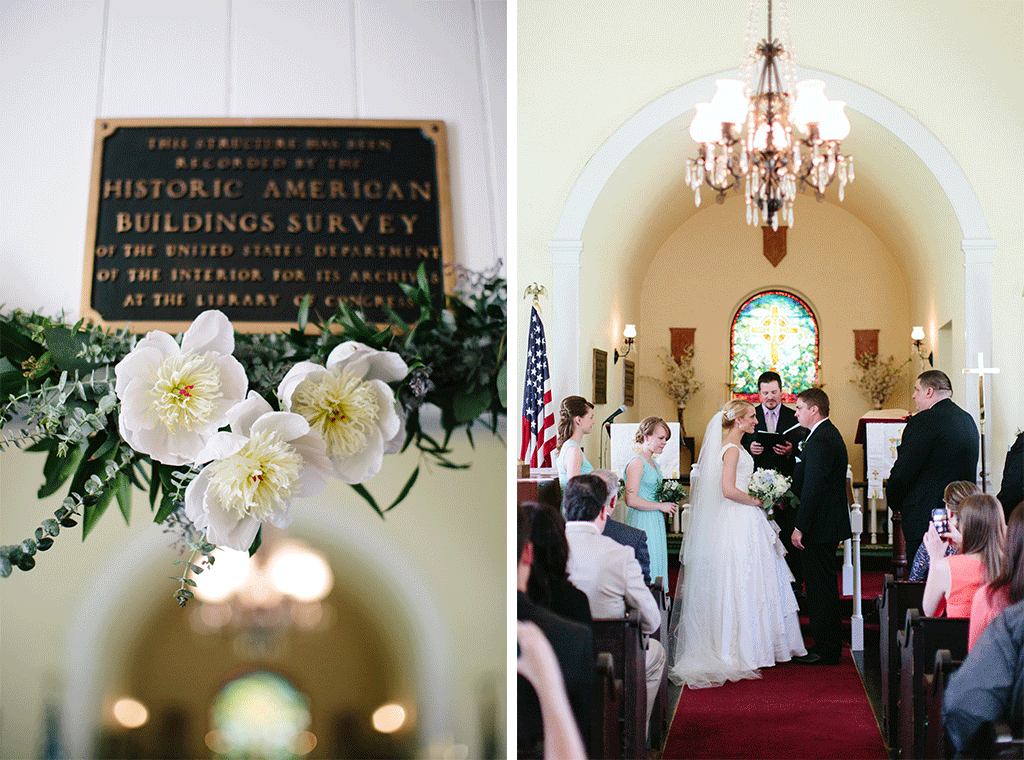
(57, 385)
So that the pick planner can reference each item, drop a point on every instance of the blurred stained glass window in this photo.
(260, 715)
(774, 330)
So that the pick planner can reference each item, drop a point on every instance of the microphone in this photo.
(614, 414)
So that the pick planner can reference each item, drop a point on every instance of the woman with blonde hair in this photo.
(643, 478)
(955, 493)
(575, 420)
(737, 609)
(953, 580)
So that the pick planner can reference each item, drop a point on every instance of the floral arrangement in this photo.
(878, 378)
(671, 491)
(225, 429)
(770, 487)
(680, 384)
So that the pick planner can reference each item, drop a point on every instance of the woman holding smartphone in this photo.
(955, 493)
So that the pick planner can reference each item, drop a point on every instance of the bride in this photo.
(737, 611)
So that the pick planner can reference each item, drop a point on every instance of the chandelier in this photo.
(766, 137)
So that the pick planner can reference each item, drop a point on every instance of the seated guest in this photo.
(1008, 587)
(549, 584)
(953, 580)
(575, 420)
(1011, 489)
(990, 680)
(955, 493)
(626, 535)
(538, 664)
(573, 644)
(608, 572)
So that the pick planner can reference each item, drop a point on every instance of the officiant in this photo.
(773, 445)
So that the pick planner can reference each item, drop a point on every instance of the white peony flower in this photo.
(349, 403)
(254, 472)
(174, 398)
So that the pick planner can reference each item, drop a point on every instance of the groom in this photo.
(822, 521)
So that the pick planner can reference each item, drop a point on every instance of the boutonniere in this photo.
(800, 445)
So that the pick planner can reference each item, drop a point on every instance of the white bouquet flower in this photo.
(769, 486)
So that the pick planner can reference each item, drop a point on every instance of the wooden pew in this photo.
(897, 597)
(936, 745)
(622, 638)
(605, 732)
(918, 642)
(659, 715)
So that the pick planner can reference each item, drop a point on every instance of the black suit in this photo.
(627, 535)
(784, 517)
(939, 445)
(824, 520)
(574, 646)
(1011, 490)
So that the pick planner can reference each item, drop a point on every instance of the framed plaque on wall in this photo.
(627, 382)
(600, 377)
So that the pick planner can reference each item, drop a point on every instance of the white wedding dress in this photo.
(737, 611)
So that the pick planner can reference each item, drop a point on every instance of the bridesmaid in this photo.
(643, 476)
(575, 420)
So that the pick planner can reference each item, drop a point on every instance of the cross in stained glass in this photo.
(774, 328)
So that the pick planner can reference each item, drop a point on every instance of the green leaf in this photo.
(303, 316)
(64, 347)
(154, 485)
(405, 490)
(92, 513)
(256, 542)
(167, 506)
(45, 543)
(360, 489)
(123, 491)
(58, 469)
(52, 527)
(17, 346)
(470, 406)
(502, 383)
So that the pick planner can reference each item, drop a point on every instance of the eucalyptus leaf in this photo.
(58, 469)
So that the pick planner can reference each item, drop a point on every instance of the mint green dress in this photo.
(652, 522)
(563, 475)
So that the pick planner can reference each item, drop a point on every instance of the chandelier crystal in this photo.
(773, 137)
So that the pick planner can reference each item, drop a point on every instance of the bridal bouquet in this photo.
(671, 491)
(225, 429)
(769, 486)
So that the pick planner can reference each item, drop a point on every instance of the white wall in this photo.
(64, 64)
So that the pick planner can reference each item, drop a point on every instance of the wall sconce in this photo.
(917, 336)
(629, 333)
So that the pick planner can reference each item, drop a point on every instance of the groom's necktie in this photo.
(771, 420)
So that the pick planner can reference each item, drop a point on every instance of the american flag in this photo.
(538, 432)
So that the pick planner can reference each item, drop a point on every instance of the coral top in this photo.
(967, 574)
(984, 611)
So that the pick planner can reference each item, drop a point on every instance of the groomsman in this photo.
(822, 521)
(775, 417)
(939, 445)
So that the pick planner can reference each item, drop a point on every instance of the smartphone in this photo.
(941, 520)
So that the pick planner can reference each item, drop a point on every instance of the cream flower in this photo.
(254, 472)
(174, 398)
(349, 403)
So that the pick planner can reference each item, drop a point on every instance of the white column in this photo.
(978, 256)
(563, 327)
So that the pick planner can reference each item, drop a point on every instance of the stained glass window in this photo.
(260, 715)
(774, 330)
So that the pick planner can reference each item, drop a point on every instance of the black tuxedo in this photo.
(824, 520)
(1011, 490)
(784, 517)
(627, 535)
(574, 646)
(939, 445)
(787, 419)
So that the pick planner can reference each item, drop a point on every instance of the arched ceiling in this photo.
(894, 194)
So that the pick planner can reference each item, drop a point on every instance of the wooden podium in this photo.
(879, 432)
(541, 486)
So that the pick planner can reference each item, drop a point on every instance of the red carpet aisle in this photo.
(793, 711)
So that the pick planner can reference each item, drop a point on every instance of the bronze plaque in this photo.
(600, 377)
(627, 382)
(249, 215)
